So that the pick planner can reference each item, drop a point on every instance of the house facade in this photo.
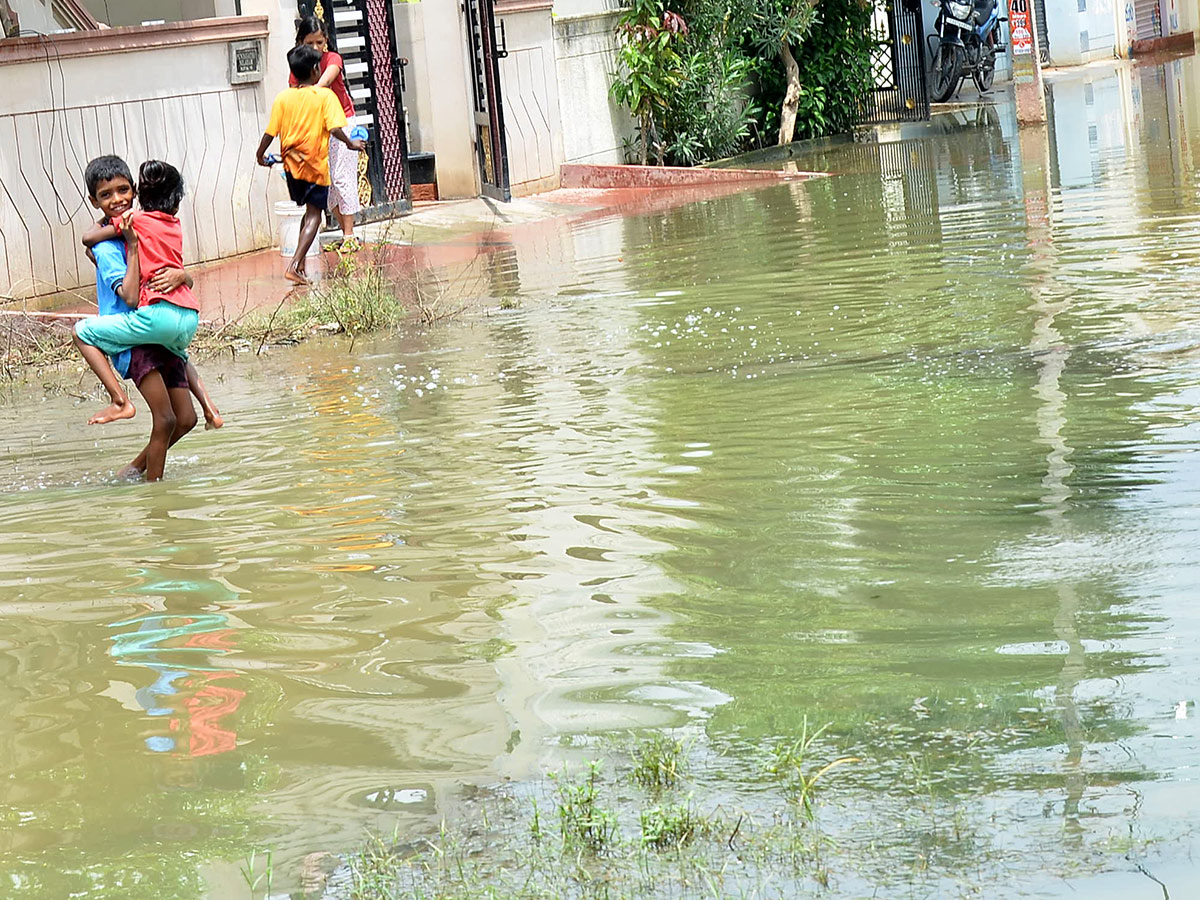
(1076, 33)
(87, 77)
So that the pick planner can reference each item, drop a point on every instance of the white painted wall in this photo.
(35, 16)
(446, 125)
(410, 44)
(594, 128)
(180, 108)
(135, 12)
(530, 89)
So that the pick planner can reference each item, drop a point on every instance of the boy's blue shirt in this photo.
(110, 272)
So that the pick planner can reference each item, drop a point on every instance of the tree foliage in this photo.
(709, 78)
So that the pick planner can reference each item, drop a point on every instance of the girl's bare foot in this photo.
(295, 277)
(113, 412)
(213, 420)
(131, 473)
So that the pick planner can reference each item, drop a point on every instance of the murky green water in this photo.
(910, 450)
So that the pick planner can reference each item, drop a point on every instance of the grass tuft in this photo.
(658, 762)
(582, 820)
(670, 827)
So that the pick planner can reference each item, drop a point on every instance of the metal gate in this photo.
(1148, 16)
(1043, 32)
(363, 32)
(898, 63)
(491, 144)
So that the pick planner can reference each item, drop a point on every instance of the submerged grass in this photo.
(623, 831)
(595, 830)
(364, 293)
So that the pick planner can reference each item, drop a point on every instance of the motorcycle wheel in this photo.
(945, 72)
(985, 74)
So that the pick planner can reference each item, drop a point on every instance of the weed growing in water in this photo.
(670, 827)
(789, 766)
(253, 877)
(359, 297)
(583, 821)
(658, 762)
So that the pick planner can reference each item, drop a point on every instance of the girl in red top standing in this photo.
(343, 162)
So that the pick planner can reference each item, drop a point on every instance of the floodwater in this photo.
(911, 450)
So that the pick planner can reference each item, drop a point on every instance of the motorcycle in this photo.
(968, 39)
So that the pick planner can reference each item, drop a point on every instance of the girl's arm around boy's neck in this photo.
(99, 232)
(131, 287)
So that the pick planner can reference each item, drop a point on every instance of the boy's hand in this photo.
(167, 280)
(360, 146)
(127, 231)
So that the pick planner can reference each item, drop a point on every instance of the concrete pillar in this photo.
(1027, 70)
(447, 70)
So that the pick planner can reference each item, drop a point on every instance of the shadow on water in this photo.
(909, 450)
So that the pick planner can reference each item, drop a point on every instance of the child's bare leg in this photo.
(179, 402)
(212, 415)
(153, 459)
(121, 407)
(346, 221)
(308, 233)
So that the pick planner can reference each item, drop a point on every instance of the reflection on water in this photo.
(909, 450)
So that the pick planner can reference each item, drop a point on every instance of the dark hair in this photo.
(160, 186)
(307, 25)
(302, 60)
(105, 168)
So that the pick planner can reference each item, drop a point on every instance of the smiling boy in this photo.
(110, 189)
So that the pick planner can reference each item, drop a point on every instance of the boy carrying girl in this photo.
(148, 344)
(303, 118)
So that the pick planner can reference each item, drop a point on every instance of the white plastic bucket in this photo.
(290, 216)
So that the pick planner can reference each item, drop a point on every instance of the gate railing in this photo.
(901, 91)
(363, 33)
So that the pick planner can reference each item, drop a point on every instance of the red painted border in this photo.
(1172, 43)
(507, 7)
(583, 176)
(132, 37)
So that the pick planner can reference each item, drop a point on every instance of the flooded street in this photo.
(911, 450)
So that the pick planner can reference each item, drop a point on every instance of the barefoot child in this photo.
(343, 162)
(164, 317)
(303, 118)
(110, 189)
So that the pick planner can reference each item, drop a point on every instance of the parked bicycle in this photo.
(968, 40)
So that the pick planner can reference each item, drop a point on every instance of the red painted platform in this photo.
(602, 177)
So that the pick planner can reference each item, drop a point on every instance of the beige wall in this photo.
(135, 12)
(35, 16)
(529, 88)
(410, 44)
(180, 107)
(594, 127)
(444, 68)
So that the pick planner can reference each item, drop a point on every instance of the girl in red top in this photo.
(153, 241)
(343, 162)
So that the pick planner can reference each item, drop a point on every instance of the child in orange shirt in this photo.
(303, 118)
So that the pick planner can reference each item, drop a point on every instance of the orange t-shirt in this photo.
(302, 118)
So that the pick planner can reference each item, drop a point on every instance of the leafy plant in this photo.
(670, 827)
(658, 761)
(582, 820)
(712, 113)
(647, 65)
(780, 25)
(790, 766)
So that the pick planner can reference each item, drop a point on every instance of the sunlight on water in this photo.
(911, 450)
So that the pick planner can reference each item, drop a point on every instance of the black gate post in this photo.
(901, 91)
(491, 144)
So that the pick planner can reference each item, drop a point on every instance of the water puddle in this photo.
(910, 450)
